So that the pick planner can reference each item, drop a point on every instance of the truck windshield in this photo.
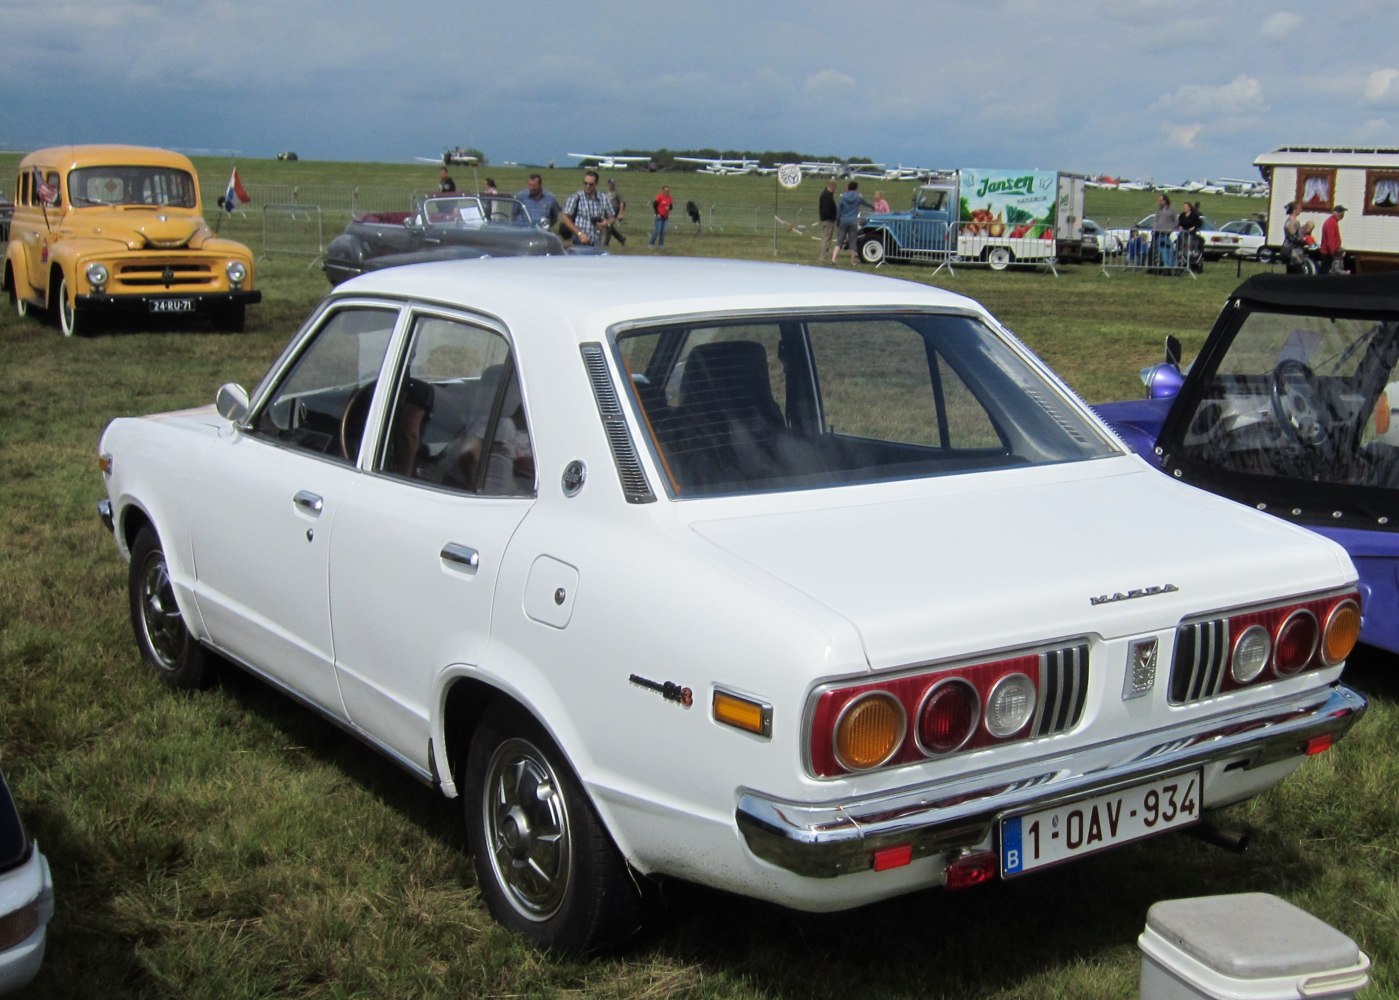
(132, 185)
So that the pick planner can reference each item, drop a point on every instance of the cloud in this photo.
(828, 83)
(1183, 136)
(1382, 87)
(1280, 25)
(1241, 96)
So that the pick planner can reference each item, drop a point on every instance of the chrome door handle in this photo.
(308, 502)
(461, 555)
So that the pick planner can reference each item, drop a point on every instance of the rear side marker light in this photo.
(746, 714)
(972, 869)
(892, 857)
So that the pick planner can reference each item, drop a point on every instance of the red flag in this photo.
(43, 190)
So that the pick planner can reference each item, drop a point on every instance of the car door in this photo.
(264, 515)
(420, 539)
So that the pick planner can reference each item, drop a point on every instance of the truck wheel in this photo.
(999, 258)
(71, 319)
(544, 863)
(161, 635)
(872, 252)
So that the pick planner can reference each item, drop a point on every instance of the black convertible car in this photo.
(440, 227)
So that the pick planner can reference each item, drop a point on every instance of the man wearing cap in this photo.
(1330, 250)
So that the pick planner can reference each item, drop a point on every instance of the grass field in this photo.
(232, 845)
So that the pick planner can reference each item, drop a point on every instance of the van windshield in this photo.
(132, 185)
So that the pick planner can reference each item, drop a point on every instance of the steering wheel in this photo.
(352, 421)
(1298, 403)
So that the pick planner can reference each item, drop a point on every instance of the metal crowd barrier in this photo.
(294, 229)
(1132, 248)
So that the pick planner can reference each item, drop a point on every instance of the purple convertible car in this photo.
(1292, 407)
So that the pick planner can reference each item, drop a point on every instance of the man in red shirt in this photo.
(1330, 249)
(661, 205)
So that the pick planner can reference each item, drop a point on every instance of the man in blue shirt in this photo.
(541, 207)
(848, 220)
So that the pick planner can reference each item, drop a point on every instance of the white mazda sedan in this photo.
(805, 584)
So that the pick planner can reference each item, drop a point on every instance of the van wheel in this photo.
(999, 258)
(161, 634)
(71, 319)
(873, 250)
(545, 865)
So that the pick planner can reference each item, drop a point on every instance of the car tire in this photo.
(71, 320)
(231, 319)
(545, 864)
(999, 258)
(161, 635)
(872, 251)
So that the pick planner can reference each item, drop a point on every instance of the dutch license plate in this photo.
(172, 305)
(1049, 836)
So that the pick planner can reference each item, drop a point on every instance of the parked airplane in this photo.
(721, 166)
(606, 161)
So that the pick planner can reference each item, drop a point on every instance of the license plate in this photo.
(1049, 836)
(172, 305)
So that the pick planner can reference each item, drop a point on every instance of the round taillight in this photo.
(869, 731)
(1296, 642)
(1010, 705)
(1341, 633)
(948, 717)
(1252, 649)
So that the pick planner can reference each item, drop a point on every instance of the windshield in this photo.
(801, 401)
(473, 212)
(131, 185)
(1304, 398)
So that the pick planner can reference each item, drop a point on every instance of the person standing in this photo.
(826, 213)
(619, 208)
(660, 205)
(587, 212)
(881, 204)
(541, 207)
(1294, 247)
(445, 184)
(848, 220)
(1330, 249)
(1163, 231)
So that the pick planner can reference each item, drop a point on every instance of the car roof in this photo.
(105, 154)
(588, 294)
(1323, 293)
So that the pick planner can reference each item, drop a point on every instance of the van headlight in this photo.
(97, 276)
(237, 272)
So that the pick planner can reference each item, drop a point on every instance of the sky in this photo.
(1145, 89)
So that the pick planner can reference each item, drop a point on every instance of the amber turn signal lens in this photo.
(1342, 632)
(869, 731)
(742, 713)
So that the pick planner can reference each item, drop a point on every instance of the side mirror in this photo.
(1162, 381)
(232, 402)
(1173, 350)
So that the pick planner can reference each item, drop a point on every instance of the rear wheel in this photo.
(544, 863)
(161, 635)
(999, 258)
(873, 250)
(71, 319)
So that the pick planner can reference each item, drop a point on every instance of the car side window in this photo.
(322, 401)
(457, 418)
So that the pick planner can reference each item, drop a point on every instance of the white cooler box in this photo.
(1250, 946)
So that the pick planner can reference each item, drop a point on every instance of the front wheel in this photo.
(71, 319)
(161, 635)
(544, 863)
(873, 250)
(999, 258)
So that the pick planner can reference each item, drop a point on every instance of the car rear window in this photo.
(802, 401)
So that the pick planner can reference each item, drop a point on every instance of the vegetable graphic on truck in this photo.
(996, 217)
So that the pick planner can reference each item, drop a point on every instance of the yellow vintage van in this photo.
(102, 228)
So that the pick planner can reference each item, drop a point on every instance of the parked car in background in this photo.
(26, 898)
(1251, 236)
(98, 229)
(1292, 407)
(809, 585)
(1213, 243)
(1095, 242)
(7, 212)
(440, 227)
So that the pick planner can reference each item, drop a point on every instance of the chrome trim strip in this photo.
(826, 839)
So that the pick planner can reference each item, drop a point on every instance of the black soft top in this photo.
(1326, 293)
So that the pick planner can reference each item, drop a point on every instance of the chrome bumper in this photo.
(836, 838)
